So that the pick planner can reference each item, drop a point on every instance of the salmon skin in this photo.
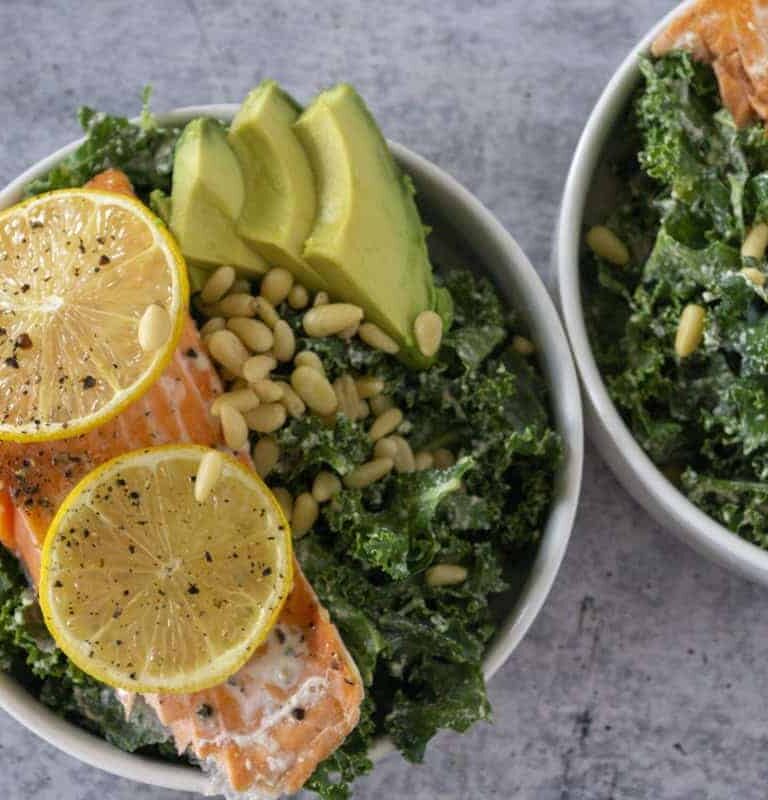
(732, 36)
(267, 727)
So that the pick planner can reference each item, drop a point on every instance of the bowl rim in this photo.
(607, 428)
(536, 307)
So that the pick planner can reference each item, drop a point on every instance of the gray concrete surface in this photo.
(645, 676)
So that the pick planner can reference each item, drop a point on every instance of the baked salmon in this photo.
(268, 726)
(732, 35)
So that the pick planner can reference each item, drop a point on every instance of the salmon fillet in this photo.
(267, 727)
(732, 35)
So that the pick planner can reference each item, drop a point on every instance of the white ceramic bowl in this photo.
(518, 281)
(611, 435)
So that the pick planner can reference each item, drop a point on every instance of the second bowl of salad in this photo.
(661, 256)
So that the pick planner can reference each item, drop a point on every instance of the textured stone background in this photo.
(645, 676)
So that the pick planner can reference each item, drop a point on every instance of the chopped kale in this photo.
(692, 184)
(143, 150)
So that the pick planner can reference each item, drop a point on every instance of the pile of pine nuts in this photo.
(267, 381)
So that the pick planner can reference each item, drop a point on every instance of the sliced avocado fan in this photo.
(368, 242)
(280, 198)
(206, 200)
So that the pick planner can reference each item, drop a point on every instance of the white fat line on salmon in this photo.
(176, 392)
(304, 698)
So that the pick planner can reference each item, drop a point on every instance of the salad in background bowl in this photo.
(429, 471)
(661, 256)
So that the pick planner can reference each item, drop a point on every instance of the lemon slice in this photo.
(78, 270)
(147, 589)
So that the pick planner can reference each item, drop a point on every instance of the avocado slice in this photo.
(280, 197)
(368, 242)
(206, 200)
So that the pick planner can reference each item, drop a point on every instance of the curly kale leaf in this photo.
(455, 698)
(309, 445)
(399, 539)
(143, 150)
(740, 505)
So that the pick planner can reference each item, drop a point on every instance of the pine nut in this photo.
(284, 499)
(522, 345)
(331, 319)
(321, 299)
(240, 286)
(233, 427)
(294, 405)
(208, 473)
(265, 455)
(268, 391)
(606, 244)
(380, 403)
(228, 350)
(385, 448)
(154, 328)
(445, 575)
(369, 387)
(254, 334)
(428, 331)
(375, 337)
(756, 242)
(368, 473)
(236, 305)
(754, 275)
(257, 368)
(265, 311)
(305, 513)
(314, 389)
(385, 424)
(325, 486)
(404, 460)
(217, 285)
(298, 297)
(276, 285)
(306, 358)
(267, 418)
(214, 324)
(285, 341)
(241, 399)
(363, 410)
(444, 459)
(423, 460)
(690, 330)
(346, 394)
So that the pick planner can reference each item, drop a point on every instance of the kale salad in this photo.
(419, 647)
(676, 306)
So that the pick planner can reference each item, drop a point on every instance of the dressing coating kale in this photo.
(691, 185)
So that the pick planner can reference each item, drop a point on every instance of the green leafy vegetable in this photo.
(420, 649)
(143, 150)
(691, 186)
